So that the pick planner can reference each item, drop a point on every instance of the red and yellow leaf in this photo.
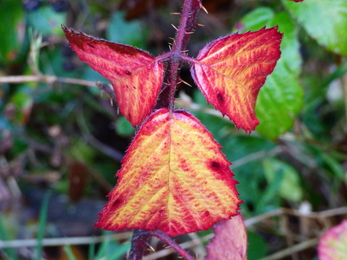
(230, 72)
(230, 240)
(173, 178)
(135, 75)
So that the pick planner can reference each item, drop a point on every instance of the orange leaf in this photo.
(231, 70)
(173, 178)
(135, 75)
(230, 241)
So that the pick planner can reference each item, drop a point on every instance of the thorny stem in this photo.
(166, 99)
(139, 243)
(168, 240)
(186, 28)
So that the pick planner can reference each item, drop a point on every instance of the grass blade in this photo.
(42, 224)
(3, 236)
(91, 251)
(69, 253)
(119, 252)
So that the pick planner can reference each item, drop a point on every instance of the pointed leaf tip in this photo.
(231, 70)
(173, 178)
(136, 76)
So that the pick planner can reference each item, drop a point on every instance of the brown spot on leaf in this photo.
(215, 164)
(128, 72)
(220, 97)
(115, 204)
(91, 45)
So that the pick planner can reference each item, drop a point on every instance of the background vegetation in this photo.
(62, 142)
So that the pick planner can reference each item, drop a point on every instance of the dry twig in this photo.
(45, 79)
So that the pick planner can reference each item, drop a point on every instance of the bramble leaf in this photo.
(324, 21)
(230, 241)
(231, 70)
(173, 178)
(135, 75)
(332, 245)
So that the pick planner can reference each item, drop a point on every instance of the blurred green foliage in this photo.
(297, 154)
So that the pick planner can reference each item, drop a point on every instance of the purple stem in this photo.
(169, 241)
(186, 28)
(139, 243)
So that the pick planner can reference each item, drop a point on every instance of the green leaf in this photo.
(199, 98)
(290, 44)
(290, 188)
(122, 31)
(11, 13)
(123, 127)
(46, 21)
(251, 150)
(23, 102)
(324, 20)
(279, 100)
(335, 167)
(256, 19)
(269, 199)
(257, 246)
